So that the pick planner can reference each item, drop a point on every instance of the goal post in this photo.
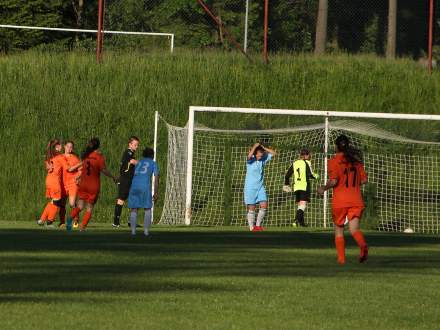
(326, 133)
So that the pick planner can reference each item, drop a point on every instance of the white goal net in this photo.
(403, 189)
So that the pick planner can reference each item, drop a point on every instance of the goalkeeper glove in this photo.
(287, 189)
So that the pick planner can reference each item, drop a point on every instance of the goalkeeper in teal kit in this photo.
(302, 173)
(254, 189)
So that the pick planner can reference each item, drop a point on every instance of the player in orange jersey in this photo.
(93, 163)
(346, 175)
(71, 174)
(54, 167)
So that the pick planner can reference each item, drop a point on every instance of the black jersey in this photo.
(126, 171)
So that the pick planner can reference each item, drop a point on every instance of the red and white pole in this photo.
(99, 33)
(430, 37)
(266, 24)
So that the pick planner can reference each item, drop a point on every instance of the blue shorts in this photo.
(254, 196)
(140, 199)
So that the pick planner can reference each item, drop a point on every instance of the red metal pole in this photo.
(266, 23)
(99, 34)
(223, 28)
(431, 19)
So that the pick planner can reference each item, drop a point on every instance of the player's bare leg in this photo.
(251, 216)
(359, 238)
(340, 244)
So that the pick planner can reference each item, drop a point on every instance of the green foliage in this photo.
(353, 26)
(34, 13)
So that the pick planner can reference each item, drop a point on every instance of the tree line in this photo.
(369, 26)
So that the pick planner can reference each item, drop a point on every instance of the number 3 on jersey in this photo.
(143, 169)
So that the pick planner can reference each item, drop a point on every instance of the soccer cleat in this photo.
(41, 222)
(251, 228)
(146, 233)
(61, 225)
(75, 224)
(49, 224)
(115, 226)
(364, 254)
(341, 261)
(258, 228)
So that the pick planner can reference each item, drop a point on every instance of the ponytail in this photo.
(91, 146)
(351, 154)
(50, 149)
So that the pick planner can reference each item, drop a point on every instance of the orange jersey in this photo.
(91, 172)
(69, 177)
(55, 171)
(347, 192)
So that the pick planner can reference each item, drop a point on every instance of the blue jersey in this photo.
(255, 172)
(143, 171)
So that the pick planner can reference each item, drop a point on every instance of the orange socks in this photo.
(74, 213)
(52, 211)
(340, 248)
(45, 213)
(86, 219)
(359, 238)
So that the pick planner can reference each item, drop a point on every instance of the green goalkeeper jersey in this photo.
(302, 173)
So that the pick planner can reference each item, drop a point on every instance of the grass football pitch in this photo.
(214, 278)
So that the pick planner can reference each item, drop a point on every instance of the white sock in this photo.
(260, 216)
(133, 221)
(302, 206)
(251, 219)
(147, 221)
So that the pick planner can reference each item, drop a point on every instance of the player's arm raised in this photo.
(252, 151)
(269, 150)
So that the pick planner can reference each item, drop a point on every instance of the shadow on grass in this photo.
(35, 261)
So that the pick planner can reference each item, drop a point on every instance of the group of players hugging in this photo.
(77, 179)
(346, 175)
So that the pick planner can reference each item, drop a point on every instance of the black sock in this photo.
(118, 211)
(300, 217)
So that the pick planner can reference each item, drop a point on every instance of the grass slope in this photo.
(186, 278)
(66, 95)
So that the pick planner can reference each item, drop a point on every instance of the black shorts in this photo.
(123, 189)
(301, 195)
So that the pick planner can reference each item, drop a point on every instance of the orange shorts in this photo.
(71, 190)
(54, 193)
(340, 214)
(88, 197)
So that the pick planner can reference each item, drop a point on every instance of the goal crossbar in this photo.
(319, 113)
(43, 28)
